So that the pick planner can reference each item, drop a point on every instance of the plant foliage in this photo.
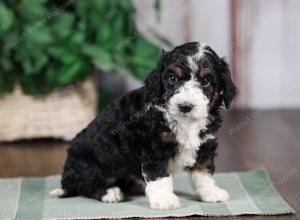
(48, 43)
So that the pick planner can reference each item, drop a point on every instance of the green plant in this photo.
(48, 43)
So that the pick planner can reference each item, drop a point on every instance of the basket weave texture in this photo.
(61, 114)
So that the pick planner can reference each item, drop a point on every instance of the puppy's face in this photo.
(193, 80)
(188, 89)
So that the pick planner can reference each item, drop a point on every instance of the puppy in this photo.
(151, 133)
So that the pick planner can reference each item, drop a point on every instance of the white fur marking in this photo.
(57, 192)
(189, 92)
(206, 189)
(160, 194)
(208, 137)
(193, 59)
(113, 194)
(192, 63)
(187, 135)
(187, 126)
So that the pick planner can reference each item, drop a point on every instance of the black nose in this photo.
(185, 107)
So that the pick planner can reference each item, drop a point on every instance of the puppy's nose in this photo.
(185, 107)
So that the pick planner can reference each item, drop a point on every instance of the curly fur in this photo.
(124, 144)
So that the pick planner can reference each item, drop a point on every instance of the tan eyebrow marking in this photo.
(176, 70)
(203, 71)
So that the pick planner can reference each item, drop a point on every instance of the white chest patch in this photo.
(189, 141)
(187, 136)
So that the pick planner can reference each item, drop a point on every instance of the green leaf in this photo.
(99, 57)
(126, 5)
(103, 65)
(76, 38)
(51, 76)
(145, 50)
(71, 72)
(25, 49)
(117, 27)
(95, 52)
(82, 7)
(31, 86)
(6, 82)
(62, 25)
(27, 66)
(39, 62)
(64, 55)
(33, 64)
(32, 11)
(100, 5)
(48, 45)
(6, 18)
(143, 58)
(104, 33)
(5, 62)
(40, 35)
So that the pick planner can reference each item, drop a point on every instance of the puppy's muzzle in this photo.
(185, 107)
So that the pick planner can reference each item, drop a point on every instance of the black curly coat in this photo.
(124, 141)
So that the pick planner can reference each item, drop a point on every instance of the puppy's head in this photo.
(191, 80)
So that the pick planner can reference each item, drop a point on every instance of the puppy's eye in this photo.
(205, 82)
(172, 79)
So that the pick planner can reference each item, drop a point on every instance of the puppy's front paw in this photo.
(164, 201)
(212, 194)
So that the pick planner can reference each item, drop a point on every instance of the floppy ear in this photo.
(228, 88)
(153, 85)
(153, 82)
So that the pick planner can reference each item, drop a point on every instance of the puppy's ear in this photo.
(153, 85)
(153, 82)
(229, 90)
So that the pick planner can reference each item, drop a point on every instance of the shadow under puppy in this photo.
(166, 126)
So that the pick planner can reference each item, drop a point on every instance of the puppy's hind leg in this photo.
(112, 194)
(108, 191)
(87, 179)
(57, 192)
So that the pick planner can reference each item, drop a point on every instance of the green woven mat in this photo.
(250, 193)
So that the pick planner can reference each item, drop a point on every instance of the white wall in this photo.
(210, 23)
(269, 60)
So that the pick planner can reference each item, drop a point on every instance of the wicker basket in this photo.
(61, 114)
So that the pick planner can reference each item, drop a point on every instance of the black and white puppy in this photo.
(167, 125)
